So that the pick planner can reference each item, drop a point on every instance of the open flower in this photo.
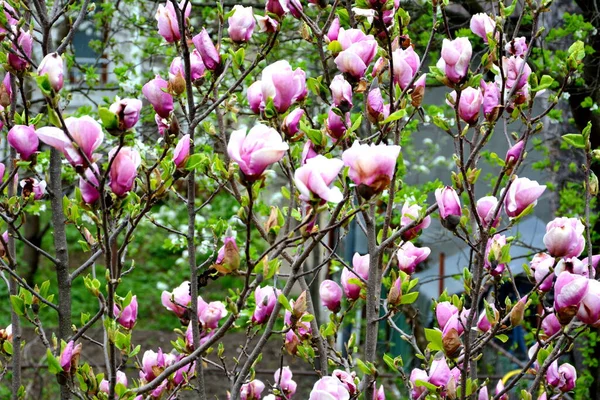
(314, 179)
(283, 85)
(456, 56)
(522, 193)
(409, 256)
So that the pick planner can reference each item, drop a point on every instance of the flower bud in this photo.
(128, 316)
(551, 325)
(449, 206)
(482, 25)
(53, 66)
(341, 91)
(315, 178)
(485, 210)
(228, 259)
(265, 298)
(564, 237)
(469, 104)
(569, 291)
(517, 312)
(410, 256)
(181, 153)
(395, 294)
(155, 92)
(331, 295)
(291, 124)
(455, 58)
(127, 112)
(513, 154)
(241, 24)
(24, 140)
(123, 170)
(563, 377)
(209, 53)
(410, 213)
(522, 193)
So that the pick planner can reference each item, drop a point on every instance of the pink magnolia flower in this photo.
(209, 53)
(493, 254)
(448, 202)
(469, 105)
(19, 60)
(153, 364)
(123, 170)
(406, 65)
(331, 295)
(155, 92)
(2, 169)
(483, 394)
(417, 374)
(314, 179)
(569, 291)
(182, 152)
(254, 96)
(499, 389)
(283, 85)
(513, 154)
(511, 67)
(357, 52)
(589, 309)
(209, 314)
(121, 378)
(522, 193)
(70, 356)
(257, 150)
(376, 110)
(439, 372)
(89, 193)
(161, 124)
(360, 265)
(483, 323)
(334, 29)
(551, 325)
(128, 316)
(291, 124)
(265, 298)
(177, 300)
(283, 378)
(53, 66)
(308, 152)
(336, 126)
(329, 388)
(540, 265)
(23, 139)
(491, 99)
(9, 11)
(517, 47)
(267, 24)
(177, 68)
(127, 112)
(409, 256)
(456, 56)
(341, 91)
(348, 379)
(252, 390)
(241, 24)
(563, 377)
(168, 25)
(482, 25)
(371, 166)
(410, 213)
(485, 210)
(32, 185)
(443, 312)
(564, 237)
(379, 394)
(278, 7)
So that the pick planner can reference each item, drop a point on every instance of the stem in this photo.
(62, 254)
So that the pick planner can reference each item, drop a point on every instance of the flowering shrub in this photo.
(229, 118)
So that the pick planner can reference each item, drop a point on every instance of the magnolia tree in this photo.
(330, 143)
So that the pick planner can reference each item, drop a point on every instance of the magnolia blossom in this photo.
(267, 24)
(209, 314)
(331, 295)
(283, 85)
(564, 237)
(121, 379)
(177, 76)
(329, 388)
(417, 374)
(252, 390)
(70, 356)
(483, 323)
(360, 266)
(341, 91)
(514, 153)
(265, 298)
(569, 291)
(127, 112)
(563, 377)
(439, 373)
(406, 64)
(314, 179)
(128, 315)
(52, 65)
(177, 300)
(283, 378)
(19, 58)
(291, 124)
(517, 71)
(448, 202)
(409, 256)
(376, 110)
(517, 47)
(209, 53)
(334, 29)
(23, 139)
(308, 152)
(551, 325)
(153, 363)
(522, 193)
(469, 104)
(241, 24)
(155, 92)
(254, 96)
(485, 210)
(32, 185)
(410, 214)
(166, 17)
(444, 311)
(589, 310)
(336, 126)
(371, 166)
(491, 99)
(482, 25)
(257, 150)
(182, 152)
(456, 56)
(357, 52)
(541, 265)
(123, 170)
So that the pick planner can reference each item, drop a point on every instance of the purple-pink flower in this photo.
(314, 179)
(241, 24)
(127, 112)
(522, 193)
(265, 298)
(123, 170)
(409, 256)
(448, 202)
(569, 291)
(209, 53)
(128, 315)
(331, 295)
(371, 167)
(341, 91)
(182, 152)
(410, 213)
(406, 65)
(168, 24)
(53, 66)
(456, 56)
(23, 139)
(564, 237)
(178, 300)
(482, 25)
(155, 92)
(282, 84)
(491, 99)
(357, 52)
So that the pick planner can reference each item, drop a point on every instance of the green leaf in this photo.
(575, 140)
(8, 347)
(284, 302)
(409, 298)
(434, 337)
(396, 115)
(18, 304)
(109, 119)
(43, 83)
(503, 338)
(334, 47)
(545, 83)
(53, 364)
